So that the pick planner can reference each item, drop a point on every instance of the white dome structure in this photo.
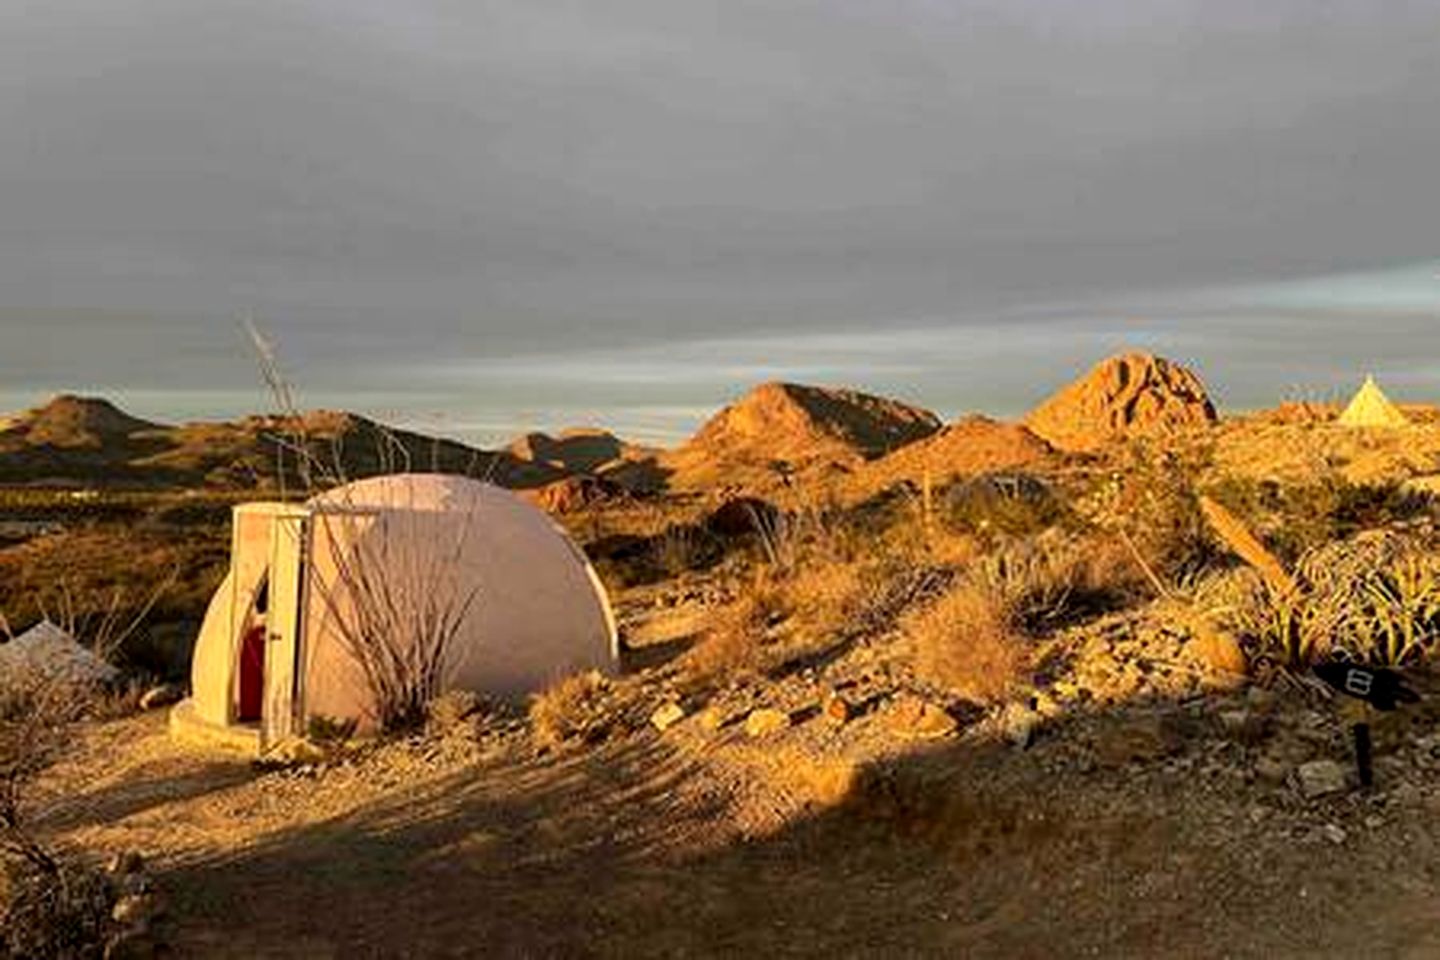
(330, 605)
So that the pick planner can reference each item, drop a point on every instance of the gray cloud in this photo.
(390, 184)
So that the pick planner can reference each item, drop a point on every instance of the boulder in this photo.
(1320, 778)
(915, 717)
(1133, 394)
(571, 494)
(164, 695)
(765, 721)
(742, 516)
(666, 716)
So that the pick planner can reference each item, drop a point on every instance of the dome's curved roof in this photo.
(420, 492)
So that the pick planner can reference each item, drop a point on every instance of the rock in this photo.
(1334, 833)
(1271, 771)
(1320, 778)
(743, 516)
(666, 716)
(712, 719)
(163, 695)
(297, 750)
(836, 710)
(1220, 656)
(571, 494)
(1258, 698)
(912, 716)
(765, 721)
(1142, 739)
(127, 861)
(1128, 395)
(1242, 726)
(136, 910)
(134, 944)
(1019, 724)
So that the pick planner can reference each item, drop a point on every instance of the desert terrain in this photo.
(891, 686)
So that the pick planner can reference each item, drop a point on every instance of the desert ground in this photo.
(890, 687)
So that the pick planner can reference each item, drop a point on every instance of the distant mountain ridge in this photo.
(88, 441)
(783, 427)
(776, 436)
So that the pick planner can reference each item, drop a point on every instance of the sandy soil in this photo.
(1113, 835)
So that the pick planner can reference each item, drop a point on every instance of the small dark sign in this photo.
(1381, 688)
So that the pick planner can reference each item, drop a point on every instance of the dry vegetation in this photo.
(941, 606)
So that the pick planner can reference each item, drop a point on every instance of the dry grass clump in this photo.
(49, 906)
(732, 645)
(64, 913)
(574, 710)
(967, 642)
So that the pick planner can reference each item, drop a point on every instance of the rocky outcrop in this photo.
(789, 421)
(1129, 395)
(970, 446)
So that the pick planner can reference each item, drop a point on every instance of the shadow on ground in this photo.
(960, 850)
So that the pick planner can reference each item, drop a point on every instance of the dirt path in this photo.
(650, 848)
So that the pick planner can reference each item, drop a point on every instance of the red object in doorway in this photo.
(252, 673)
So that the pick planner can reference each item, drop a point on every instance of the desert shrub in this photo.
(680, 548)
(732, 643)
(573, 710)
(329, 733)
(50, 905)
(1150, 499)
(966, 642)
(822, 597)
(1051, 581)
(1298, 518)
(64, 912)
(1008, 506)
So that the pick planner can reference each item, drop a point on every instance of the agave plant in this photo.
(1395, 618)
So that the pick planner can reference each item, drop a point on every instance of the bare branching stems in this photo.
(393, 601)
(396, 607)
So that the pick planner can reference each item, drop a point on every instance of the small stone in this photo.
(667, 716)
(1320, 778)
(1259, 698)
(298, 750)
(136, 909)
(1047, 706)
(1334, 833)
(1234, 721)
(127, 861)
(765, 721)
(1271, 771)
(164, 695)
(915, 717)
(134, 883)
(133, 944)
(836, 710)
(711, 719)
(1019, 723)
(1374, 822)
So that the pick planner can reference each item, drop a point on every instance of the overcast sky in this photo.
(504, 214)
